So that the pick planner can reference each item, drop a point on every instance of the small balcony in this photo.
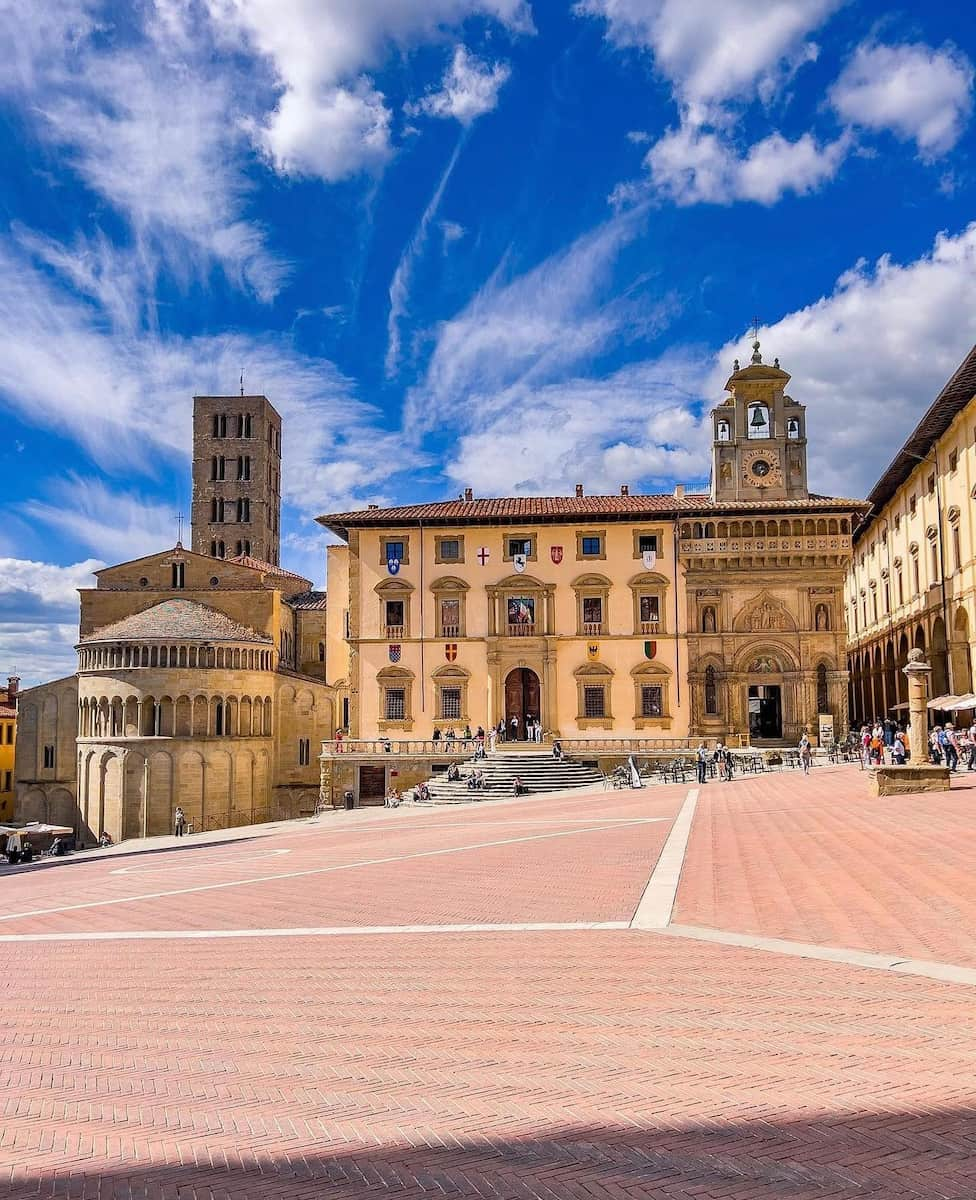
(522, 629)
(650, 626)
(594, 629)
(394, 633)
(450, 631)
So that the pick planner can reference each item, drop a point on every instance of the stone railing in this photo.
(461, 747)
(765, 545)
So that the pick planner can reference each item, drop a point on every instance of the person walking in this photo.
(701, 761)
(951, 747)
(179, 822)
(806, 754)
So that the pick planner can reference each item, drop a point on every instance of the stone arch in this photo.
(133, 795)
(939, 658)
(962, 666)
(242, 798)
(33, 807)
(160, 793)
(189, 787)
(751, 658)
(183, 717)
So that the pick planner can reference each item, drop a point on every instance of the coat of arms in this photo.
(649, 559)
(650, 649)
(450, 651)
(557, 554)
(395, 651)
(518, 562)
(593, 651)
(393, 566)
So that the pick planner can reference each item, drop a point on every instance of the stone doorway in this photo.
(765, 711)
(523, 698)
(372, 785)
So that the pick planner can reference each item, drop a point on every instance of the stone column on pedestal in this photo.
(918, 672)
(920, 775)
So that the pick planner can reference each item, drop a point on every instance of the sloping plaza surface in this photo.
(758, 989)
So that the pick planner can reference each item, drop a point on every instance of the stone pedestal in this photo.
(902, 781)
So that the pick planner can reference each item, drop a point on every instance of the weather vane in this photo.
(755, 328)
(179, 528)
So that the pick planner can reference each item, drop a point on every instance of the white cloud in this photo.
(714, 53)
(919, 93)
(693, 167)
(46, 582)
(150, 128)
(469, 89)
(868, 359)
(38, 650)
(532, 329)
(636, 426)
(330, 120)
(451, 231)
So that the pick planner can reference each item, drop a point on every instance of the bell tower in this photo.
(759, 440)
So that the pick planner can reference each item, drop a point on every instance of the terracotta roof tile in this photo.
(257, 564)
(7, 711)
(183, 620)
(308, 601)
(543, 508)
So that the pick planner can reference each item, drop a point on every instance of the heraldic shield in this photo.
(650, 649)
(593, 651)
(395, 653)
(393, 566)
(518, 562)
(649, 559)
(450, 651)
(557, 554)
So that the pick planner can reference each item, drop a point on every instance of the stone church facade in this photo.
(201, 676)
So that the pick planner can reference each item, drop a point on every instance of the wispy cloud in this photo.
(468, 90)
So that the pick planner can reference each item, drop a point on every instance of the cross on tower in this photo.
(755, 328)
(179, 527)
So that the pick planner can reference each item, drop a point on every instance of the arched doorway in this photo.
(523, 699)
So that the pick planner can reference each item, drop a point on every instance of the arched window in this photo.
(792, 428)
(711, 692)
(321, 651)
(822, 694)
(243, 509)
(722, 431)
(758, 423)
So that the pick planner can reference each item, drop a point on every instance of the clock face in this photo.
(761, 468)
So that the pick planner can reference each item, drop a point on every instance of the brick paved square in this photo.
(559, 1061)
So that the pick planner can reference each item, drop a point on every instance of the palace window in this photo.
(592, 605)
(393, 549)
(592, 614)
(304, 752)
(591, 547)
(216, 511)
(647, 542)
(49, 757)
(321, 651)
(244, 425)
(243, 510)
(243, 547)
(396, 704)
(711, 693)
(930, 484)
(953, 460)
(650, 610)
(520, 545)
(217, 549)
(177, 570)
(900, 585)
(218, 467)
(449, 614)
(220, 425)
(652, 700)
(244, 466)
(912, 505)
(394, 610)
(451, 703)
(448, 550)
(594, 701)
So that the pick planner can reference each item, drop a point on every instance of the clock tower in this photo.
(759, 440)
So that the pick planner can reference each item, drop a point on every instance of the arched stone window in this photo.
(652, 695)
(758, 423)
(451, 694)
(594, 696)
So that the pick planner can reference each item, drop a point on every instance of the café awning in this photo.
(943, 703)
(963, 702)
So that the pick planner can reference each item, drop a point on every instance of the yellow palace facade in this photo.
(617, 617)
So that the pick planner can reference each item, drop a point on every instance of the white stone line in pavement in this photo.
(126, 935)
(945, 972)
(370, 862)
(657, 901)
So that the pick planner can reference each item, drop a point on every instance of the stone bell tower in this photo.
(759, 440)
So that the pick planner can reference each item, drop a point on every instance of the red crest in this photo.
(395, 653)
(557, 554)
(450, 651)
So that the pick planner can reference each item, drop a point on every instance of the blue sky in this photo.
(506, 244)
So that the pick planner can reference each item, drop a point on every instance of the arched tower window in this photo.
(758, 425)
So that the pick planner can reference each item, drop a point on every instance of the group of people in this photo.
(722, 758)
(883, 741)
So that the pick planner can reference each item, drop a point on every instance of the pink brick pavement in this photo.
(577, 1065)
(815, 859)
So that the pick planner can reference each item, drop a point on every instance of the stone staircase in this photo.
(537, 769)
